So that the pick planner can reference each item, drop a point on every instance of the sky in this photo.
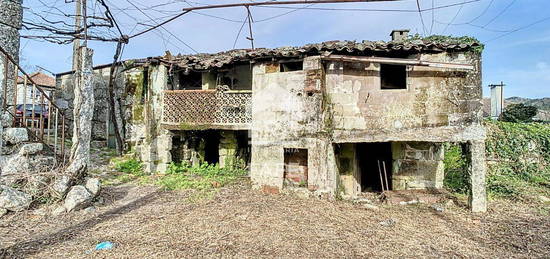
(516, 33)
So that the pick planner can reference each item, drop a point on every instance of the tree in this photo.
(518, 113)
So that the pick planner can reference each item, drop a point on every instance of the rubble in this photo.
(15, 135)
(14, 200)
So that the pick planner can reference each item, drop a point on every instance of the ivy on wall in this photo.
(518, 160)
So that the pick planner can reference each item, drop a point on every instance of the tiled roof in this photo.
(206, 61)
(40, 79)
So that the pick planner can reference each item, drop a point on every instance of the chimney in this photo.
(497, 100)
(397, 35)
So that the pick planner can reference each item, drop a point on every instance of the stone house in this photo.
(330, 118)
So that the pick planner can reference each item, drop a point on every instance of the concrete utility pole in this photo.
(77, 26)
(497, 100)
(83, 104)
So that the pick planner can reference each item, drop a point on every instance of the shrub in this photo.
(518, 113)
(131, 166)
(203, 177)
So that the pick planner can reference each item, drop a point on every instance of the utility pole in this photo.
(497, 99)
(77, 26)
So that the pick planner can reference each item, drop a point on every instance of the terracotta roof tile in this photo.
(40, 79)
(206, 61)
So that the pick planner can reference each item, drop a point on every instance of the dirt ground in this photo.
(240, 222)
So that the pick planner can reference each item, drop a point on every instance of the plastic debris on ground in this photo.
(105, 246)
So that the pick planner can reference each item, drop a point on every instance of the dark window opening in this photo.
(291, 66)
(393, 76)
(190, 81)
(145, 87)
(372, 158)
(295, 168)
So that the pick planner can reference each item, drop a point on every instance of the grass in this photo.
(206, 178)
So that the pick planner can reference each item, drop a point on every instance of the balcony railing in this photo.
(188, 109)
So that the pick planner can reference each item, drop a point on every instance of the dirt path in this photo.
(239, 222)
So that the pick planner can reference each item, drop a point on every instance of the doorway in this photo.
(372, 158)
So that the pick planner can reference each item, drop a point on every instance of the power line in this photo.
(161, 26)
(454, 18)
(499, 14)
(421, 18)
(520, 28)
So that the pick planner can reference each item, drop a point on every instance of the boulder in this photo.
(61, 185)
(6, 119)
(3, 212)
(15, 164)
(15, 135)
(13, 200)
(31, 148)
(77, 198)
(93, 185)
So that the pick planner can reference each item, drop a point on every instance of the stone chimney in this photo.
(397, 35)
(497, 100)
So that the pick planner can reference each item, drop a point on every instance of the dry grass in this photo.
(239, 222)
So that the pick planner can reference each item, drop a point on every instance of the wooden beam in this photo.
(398, 61)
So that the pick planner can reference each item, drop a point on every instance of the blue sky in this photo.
(516, 32)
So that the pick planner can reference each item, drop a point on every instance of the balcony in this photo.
(207, 109)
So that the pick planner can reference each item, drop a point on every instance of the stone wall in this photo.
(417, 165)
(287, 114)
(438, 103)
(127, 85)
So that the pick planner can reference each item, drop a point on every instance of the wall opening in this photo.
(190, 80)
(291, 66)
(393, 76)
(295, 168)
(211, 147)
(369, 157)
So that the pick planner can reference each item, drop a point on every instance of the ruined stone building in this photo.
(329, 117)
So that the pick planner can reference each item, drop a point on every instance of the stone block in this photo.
(15, 135)
(77, 198)
(31, 148)
(14, 200)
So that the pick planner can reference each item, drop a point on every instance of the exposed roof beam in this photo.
(399, 61)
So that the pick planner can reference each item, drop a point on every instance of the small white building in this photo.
(29, 94)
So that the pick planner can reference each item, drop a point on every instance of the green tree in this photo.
(518, 113)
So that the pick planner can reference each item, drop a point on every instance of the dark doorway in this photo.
(211, 147)
(369, 156)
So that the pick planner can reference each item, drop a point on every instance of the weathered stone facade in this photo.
(328, 118)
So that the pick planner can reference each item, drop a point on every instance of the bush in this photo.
(131, 166)
(518, 113)
(456, 177)
(518, 156)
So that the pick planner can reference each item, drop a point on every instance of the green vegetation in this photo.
(456, 178)
(518, 165)
(442, 39)
(518, 113)
(203, 177)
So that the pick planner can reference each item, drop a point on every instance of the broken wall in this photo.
(437, 103)
(287, 113)
(417, 165)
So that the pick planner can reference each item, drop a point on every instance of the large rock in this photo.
(6, 119)
(93, 185)
(14, 200)
(77, 198)
(61, 185)
(15, 135)
(31, 148)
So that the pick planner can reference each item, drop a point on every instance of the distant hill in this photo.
(541, 103)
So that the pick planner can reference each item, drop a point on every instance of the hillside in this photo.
(540, 103)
